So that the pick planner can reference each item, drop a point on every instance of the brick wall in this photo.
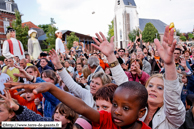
(3, 16)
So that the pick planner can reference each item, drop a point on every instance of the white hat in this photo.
(58, 31)
(31, 31)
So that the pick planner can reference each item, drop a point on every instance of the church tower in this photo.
(125, 20)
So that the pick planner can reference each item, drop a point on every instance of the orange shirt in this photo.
(29, 104)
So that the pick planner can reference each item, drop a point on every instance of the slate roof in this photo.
(160, 26)
(43, 37)
(126, 2)
(3, 5)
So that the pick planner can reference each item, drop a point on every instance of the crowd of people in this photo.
(143, 86)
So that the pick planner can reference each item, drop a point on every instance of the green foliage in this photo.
(190, 36)
(183, 38)
(178, 33)
(44, 27)
(111, 30)
(21, 32)
(50, 41)
(70, 39)
(132, 35)
(149, 33)
(2, 58)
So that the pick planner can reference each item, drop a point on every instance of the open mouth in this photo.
(152, 96)
(56, 120)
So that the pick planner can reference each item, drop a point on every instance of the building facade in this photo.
(126, 19)
(7, 15)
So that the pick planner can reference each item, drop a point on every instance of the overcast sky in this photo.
(76, 15)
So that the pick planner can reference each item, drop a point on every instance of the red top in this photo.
(107, 123)
(29, 104)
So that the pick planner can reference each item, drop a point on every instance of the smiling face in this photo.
(125, 109)
(95, 84)
(155, 90)
(102, 104)
(61, 117)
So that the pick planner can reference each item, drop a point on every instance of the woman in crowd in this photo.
(165, 109)
(135, 73)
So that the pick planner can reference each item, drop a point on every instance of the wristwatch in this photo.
(113, 64)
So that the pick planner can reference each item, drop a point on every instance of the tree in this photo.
(183, 38)
(132, 35)
(21, 32)
(50, 41)
(70, 39)
(178, 33)
(111, 30)
(149, 33)
(190, 36)
(44, 27)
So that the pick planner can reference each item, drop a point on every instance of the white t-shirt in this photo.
(3, 79)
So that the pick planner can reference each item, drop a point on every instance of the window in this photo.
(5, 24)
(129, 4)
(8, 6)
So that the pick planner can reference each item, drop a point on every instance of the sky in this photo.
(76, 15)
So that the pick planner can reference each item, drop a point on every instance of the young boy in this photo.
(104, 97)
(129, 102)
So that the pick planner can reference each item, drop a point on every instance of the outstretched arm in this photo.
(72, 102)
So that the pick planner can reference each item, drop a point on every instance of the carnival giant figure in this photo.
(12, 47)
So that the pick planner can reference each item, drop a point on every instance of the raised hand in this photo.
(183, 63)
(55, 59)
(22, 73)
(166, 50)
(104, 46)
(7, 99)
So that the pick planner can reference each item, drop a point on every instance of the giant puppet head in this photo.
(10, 33)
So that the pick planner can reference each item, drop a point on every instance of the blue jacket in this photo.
(45, 68)
(189, 89)
(50, 101)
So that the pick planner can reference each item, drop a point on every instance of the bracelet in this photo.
(113, 64)
(32, 79)
(59, 69)
(187, 71)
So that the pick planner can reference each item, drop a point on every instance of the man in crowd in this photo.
(78, 74)
(69, 68)
(44, 65)
(121, 53)
(10, 69)
(24, 64)
(146, 65)
(44, 55)
(177, 58)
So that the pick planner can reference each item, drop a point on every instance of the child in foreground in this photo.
(61, 113)
(129, 101)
